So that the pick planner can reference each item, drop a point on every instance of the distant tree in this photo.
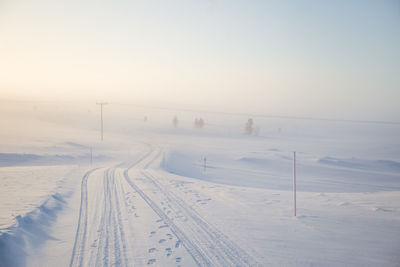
(249, 127)
(175, 121)
(201, 123)
(145, 119)
(198, 123)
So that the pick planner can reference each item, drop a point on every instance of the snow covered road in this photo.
(128, 217)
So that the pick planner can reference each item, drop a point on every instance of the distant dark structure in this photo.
(198, 123)
(145, 119)
(175, 121)
(249, 127)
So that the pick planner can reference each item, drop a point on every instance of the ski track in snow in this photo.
(104, 231)
(79, 245)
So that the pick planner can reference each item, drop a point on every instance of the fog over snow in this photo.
(189, 161)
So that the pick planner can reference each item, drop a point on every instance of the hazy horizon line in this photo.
(167, 106)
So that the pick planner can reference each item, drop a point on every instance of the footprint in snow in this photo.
(151, 250)
(151, 261)
(162, 241)
(384, 209)
(178, 259)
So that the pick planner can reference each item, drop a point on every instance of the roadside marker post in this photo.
(294, 183)
(101, 117)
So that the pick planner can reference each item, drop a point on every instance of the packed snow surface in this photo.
(154, 195)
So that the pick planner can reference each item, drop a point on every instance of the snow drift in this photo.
(30, 231)
(355, 163)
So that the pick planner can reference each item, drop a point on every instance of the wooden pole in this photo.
(294, 183)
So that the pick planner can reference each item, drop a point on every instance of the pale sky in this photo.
(334, 59)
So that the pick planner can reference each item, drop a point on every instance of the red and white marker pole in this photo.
(294, 183)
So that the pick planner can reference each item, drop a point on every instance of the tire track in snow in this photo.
(206, 244)
(225, 251)
(118, 223)
(192, 248)
(80, 236)
(110, 248)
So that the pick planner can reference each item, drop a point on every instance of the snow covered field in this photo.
(147, 199)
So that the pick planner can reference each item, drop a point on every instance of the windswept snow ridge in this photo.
(31, 230)
(374, 165)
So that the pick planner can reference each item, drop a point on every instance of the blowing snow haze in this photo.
(309, 59)
(199, 133)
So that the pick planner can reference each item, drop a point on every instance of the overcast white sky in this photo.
(336, 59)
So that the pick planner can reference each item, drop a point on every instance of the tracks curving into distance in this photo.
(104, 236)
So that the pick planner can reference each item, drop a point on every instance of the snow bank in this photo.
(373, 165)
(230, 169)
(272, 169)
(31, 230)
(31, 198)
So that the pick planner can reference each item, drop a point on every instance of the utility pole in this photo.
(101, 116)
